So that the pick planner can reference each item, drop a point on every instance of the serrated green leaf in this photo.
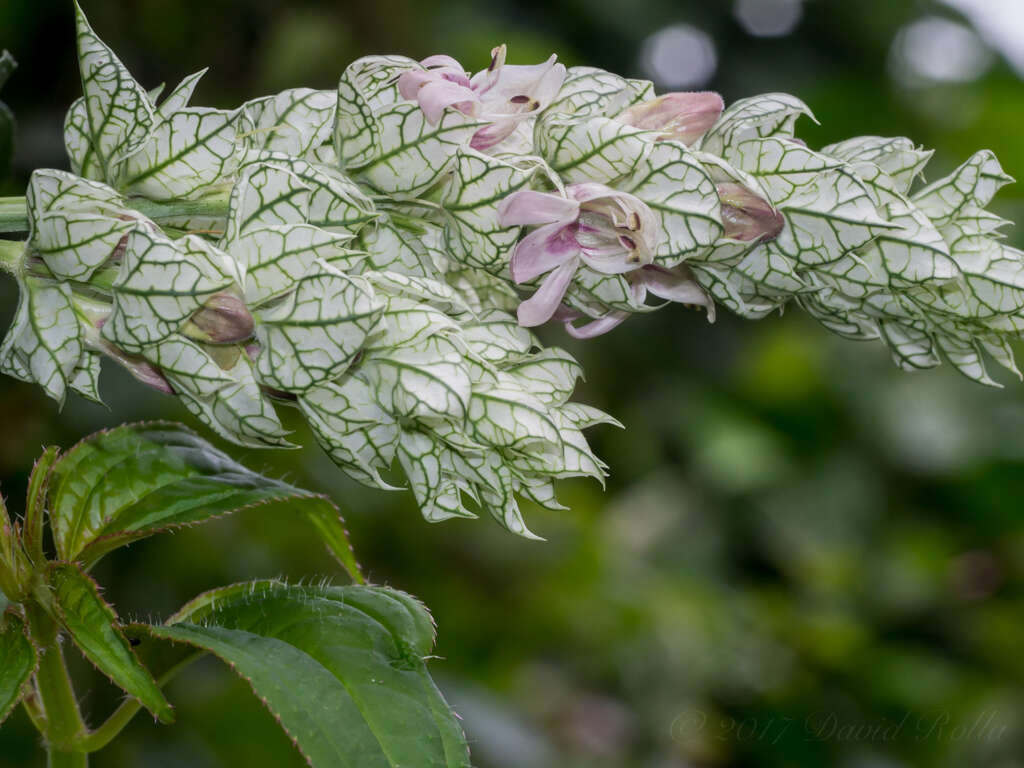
(95, 629)
(44, 343)
(137, 480)
(19, 660)
(340, 667)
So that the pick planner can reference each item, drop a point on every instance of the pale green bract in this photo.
(342, 254)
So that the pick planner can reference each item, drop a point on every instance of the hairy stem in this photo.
(64, 724)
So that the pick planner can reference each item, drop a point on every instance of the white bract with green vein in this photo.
(373, 256)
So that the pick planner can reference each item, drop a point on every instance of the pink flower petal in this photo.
(409, 83)
(676, 285)
(539, 308)
(438, 95)
(541, 251)
(492, 135)
(528, 206)
(441, 60)
(684, 117)
(596, 327)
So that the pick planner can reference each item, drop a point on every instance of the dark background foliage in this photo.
(803, 557)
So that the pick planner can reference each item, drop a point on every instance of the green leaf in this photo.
(342, 668)
(133, 481)
(94, 627)
(19, 660)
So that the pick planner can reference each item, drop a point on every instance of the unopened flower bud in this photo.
(748, 216)
(683, 117)
(223, 319)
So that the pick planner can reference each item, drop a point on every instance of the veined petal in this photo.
(541, 251)
(527, 206)
(596, 327)
(492, 135)
(539, 308)
(676, 285)
(410, 82)
(434, 97)
(442, 60)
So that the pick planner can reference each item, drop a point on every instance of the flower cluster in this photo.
(375, 256)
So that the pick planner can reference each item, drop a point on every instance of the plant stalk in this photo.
(64, 724)
(14, 214)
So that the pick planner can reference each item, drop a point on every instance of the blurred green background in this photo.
(803, 557)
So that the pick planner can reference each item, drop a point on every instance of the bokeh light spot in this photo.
(937, 50)
(768, 18)
(679, 57)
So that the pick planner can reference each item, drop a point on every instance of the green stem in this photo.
(64, 724)
(58, 759)
(100, 737)
(14, 214)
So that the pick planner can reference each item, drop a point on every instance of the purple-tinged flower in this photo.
(501, 95)
(609, 231)
(748, 216)
(676, 284)
(223, 319)
(679, 116)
